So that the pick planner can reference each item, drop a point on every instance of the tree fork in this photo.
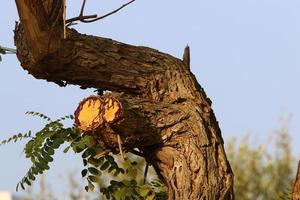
(166, 113)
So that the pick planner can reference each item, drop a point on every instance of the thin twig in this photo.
(8, 50)
(101, 154)
(137, 153)
(80, 18)
(93, 18)
(120, 145)
(146, 172)
(64, 18)
(82, 8)
(110, 13)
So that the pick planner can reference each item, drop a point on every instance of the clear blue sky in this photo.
(245, 53)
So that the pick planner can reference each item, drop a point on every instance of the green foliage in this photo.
(130, 184)
(97, 164)
(16, 137)
(260, 174)
(42, 145)
(74, 190)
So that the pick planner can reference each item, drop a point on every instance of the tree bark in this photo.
(168, 115)
(296, 188)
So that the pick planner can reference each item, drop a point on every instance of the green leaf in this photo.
(94, 171)
(144, 191)
(27, 181)
(84, 173)
(133, 182)
(50, 151)
(110, 169)
(104, 166)
(44, 166)
(95, 162)
(42, 160)
(22, 186)
(122, 170)
(110, 158)
(41, 167)
(38, 114)
(56, 143)
(127, 182)
(77, 149)
(88, 152)
(84, 162)
(119, 194)
(117, 172)
(91, 186)
(67, 149)
(134, 163)
(35, 171)
(132, 172)
(2, 51)
(31, 176)
(94, 179)
(151, 196)
(47, 157)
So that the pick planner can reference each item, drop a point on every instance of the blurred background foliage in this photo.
(262, 171)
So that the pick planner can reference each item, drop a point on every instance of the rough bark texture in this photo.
(167, 114)
(296, 188)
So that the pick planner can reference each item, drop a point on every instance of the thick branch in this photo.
(140, 123)
(97, 62)
(43, 30)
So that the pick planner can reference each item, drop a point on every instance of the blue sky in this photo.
(245, 53)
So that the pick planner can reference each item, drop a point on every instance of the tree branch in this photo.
(8, 50)
(84, 18)
(43, 31)
(101, 63)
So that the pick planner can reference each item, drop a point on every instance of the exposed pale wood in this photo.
(112, 110)
(166, 112)
(88, 115)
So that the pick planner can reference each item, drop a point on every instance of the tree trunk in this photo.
(167, 114)
(296, 188)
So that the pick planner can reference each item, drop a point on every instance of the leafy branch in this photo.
(41, 148)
